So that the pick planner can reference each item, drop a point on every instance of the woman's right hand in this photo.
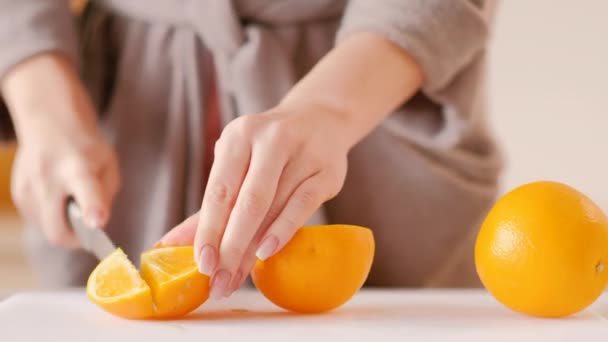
(61, 152)
(57, 163)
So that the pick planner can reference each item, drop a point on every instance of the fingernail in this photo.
(267, 248)
(220, 284)
(207, 260)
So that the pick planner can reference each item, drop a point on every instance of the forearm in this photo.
(46, 87)
(362, 79)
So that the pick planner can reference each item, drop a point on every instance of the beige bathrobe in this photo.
(422, 180)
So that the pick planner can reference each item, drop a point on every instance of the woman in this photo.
(358, 112)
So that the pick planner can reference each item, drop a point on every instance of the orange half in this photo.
(318, 270)
(169, 285)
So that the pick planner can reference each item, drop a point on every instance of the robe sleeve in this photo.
(28, 28)
(448, 39)
(441, 35)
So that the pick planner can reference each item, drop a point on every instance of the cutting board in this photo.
(372, 315)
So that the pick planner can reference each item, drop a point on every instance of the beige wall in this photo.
(548, 92)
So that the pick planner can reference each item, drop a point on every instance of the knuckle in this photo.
(289, 223)
(220, 194)
(280, 133)
(307, 198)
(76, 168)
(220, 145)
(253, 204)
(241, 127)
(19, 192)
(231, 135)
(233, 253)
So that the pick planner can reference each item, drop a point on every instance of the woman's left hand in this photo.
(271, 172)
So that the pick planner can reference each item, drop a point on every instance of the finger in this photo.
(52, 219)
(41, 202)
(24, 198)
(252, 204)
(182, 234)
(290, 179)
(293, 175)
(91, 197)
(246, 265)
(110, 177)
(225, 179)
(299, 208)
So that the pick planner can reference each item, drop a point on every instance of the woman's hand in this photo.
(61, 152)
(271, 173)
(273, 170)
(53, 163)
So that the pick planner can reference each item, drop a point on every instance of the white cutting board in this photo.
(375, 316)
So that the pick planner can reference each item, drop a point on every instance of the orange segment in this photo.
(543, 250)
(169, 286)
(177, 286)
(115, 286)
(320, 268)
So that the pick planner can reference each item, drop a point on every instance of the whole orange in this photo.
(542, 250)
(318, 270)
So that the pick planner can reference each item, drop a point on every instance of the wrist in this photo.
(349, 124)
(363, 79)
(346, 129)
(44, 93)
(45, 127)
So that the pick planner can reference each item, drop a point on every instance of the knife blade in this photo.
(92, 239)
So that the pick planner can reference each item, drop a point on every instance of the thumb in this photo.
(182, 234)
(91, 198)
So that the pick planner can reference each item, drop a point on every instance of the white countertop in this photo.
(421, 315)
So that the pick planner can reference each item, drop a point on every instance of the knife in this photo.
(92, 239)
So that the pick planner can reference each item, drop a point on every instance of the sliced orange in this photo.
(169, 285)
(116, 286)
(318, 270)
(176, 284)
